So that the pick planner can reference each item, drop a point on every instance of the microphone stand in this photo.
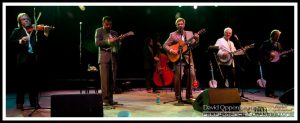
(242, 90)
(237, 39)
(80, 57)
(180, 102)
(80, 43)
(215, 57)
(37, 106)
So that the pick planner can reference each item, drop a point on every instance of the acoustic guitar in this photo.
(182, 45)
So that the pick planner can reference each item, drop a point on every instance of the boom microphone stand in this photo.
(243, 98)
(80, 58)
(180, 102)
(242, 89)
(37, 106)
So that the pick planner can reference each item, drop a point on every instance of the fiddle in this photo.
(39, 27)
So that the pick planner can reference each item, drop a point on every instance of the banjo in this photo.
(227, 58)
(275, 55)
(212, 83)
(261, 82)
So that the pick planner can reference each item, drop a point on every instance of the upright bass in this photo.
(163, 75)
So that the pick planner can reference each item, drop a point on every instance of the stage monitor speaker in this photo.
(287, 97)
(223, 99)
(77, 105)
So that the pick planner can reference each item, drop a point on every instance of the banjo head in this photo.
(213, 84)
(261, 83)
(274, 56)
(225, 58)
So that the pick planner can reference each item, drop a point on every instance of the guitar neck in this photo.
(188, 41)
(245, 48)
(125, 35)
(285, 52)
(119, 37)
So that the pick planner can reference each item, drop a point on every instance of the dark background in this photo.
(60, 57)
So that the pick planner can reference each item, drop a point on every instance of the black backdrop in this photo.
(60, 55)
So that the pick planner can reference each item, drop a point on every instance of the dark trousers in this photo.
(271, 75)
(27, 79)
(108, 73)
(149, 80)
(177, 85)
(229, 74)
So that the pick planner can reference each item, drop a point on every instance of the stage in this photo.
(139, 103)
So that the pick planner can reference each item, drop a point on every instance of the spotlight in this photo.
(82, 8)
(195, 6)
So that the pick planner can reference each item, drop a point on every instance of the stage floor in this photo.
(141, 104)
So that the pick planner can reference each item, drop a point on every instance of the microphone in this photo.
(180, 31)
(236, 37)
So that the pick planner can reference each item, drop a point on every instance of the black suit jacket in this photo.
(22, 49)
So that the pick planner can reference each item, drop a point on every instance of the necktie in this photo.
(29, 47)
(30, 50)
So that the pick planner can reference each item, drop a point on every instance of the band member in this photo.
(150, 58)
(108, 43)
(26, 41)
(265, 49)
(181, 35)
(228, 68)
